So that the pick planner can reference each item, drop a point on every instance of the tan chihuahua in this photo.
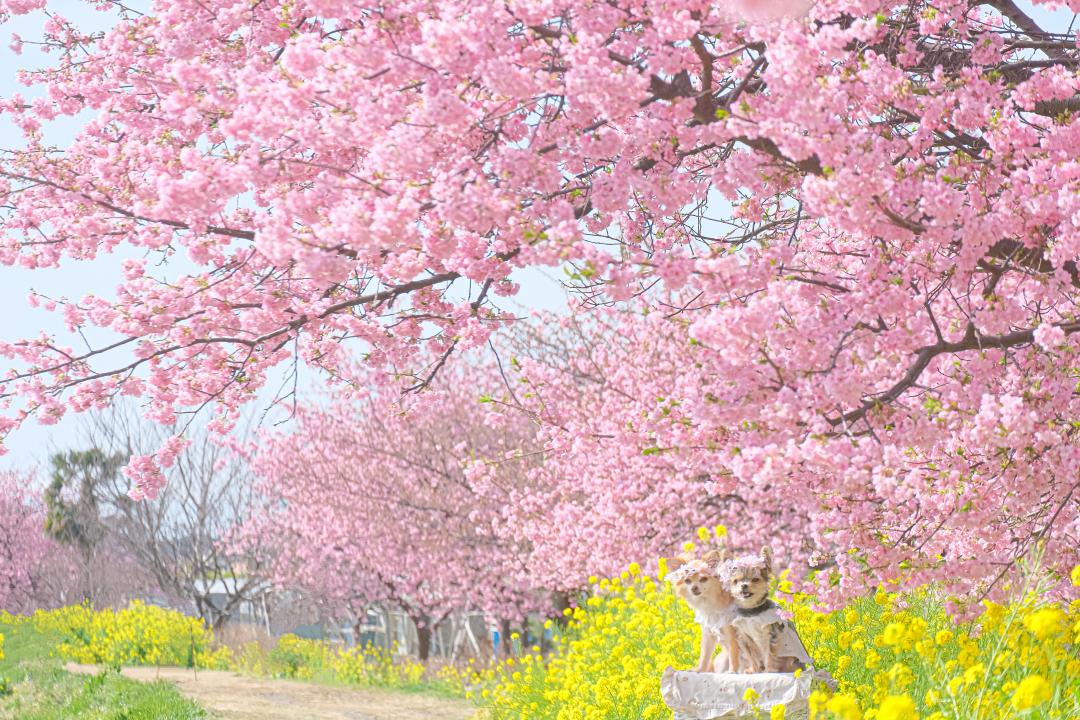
(771, 641)
(696, 582)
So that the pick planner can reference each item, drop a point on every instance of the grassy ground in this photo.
(40, 689)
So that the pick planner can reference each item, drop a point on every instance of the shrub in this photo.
(376, 667)
(137, 635)
(295, 657)
(369, 666)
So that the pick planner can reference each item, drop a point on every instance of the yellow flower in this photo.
(993, 613)
(901, 675)
(897, 707)
(721, 531)
(943, 637)
(817, 702)
(703, 534)
(844, 707)
(1032, 691)
(872, 659)
(688, 546)
(1076, 575)
(893, 635)
(974, 673)
(776, 712)
(750, 696)
(1045, 622)
(634, 569)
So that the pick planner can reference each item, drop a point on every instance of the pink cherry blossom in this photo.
(837, 251)
(24, 546)
(1049, 337)
(371, 503)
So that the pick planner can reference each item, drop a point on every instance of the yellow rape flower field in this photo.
(895, 657)
(137, 635)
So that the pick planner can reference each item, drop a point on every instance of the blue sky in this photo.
(32, 444)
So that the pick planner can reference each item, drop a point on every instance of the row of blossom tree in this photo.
(509, 481)
(604, 440)
(838, 251)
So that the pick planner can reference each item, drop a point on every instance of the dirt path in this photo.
(237, 697)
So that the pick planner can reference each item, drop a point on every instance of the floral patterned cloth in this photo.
(720, 696)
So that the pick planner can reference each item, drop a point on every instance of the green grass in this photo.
(40, 688)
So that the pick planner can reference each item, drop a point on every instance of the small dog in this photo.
(772, 643)
(696, 582)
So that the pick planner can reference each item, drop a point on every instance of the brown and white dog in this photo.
(696, 582)
(772, 645)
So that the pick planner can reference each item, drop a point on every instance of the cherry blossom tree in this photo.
(862, 215)
(624, 476)
(672, 421)
(24, 546)
(371, 504)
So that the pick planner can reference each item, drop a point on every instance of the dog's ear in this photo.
(674, 563)
(766, 555)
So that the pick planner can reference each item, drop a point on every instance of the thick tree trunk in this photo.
(218, 620)
(356, 631)
(561, 600)
(423, 639)
(504, 632)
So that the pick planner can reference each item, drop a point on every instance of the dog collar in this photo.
(751, 612)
